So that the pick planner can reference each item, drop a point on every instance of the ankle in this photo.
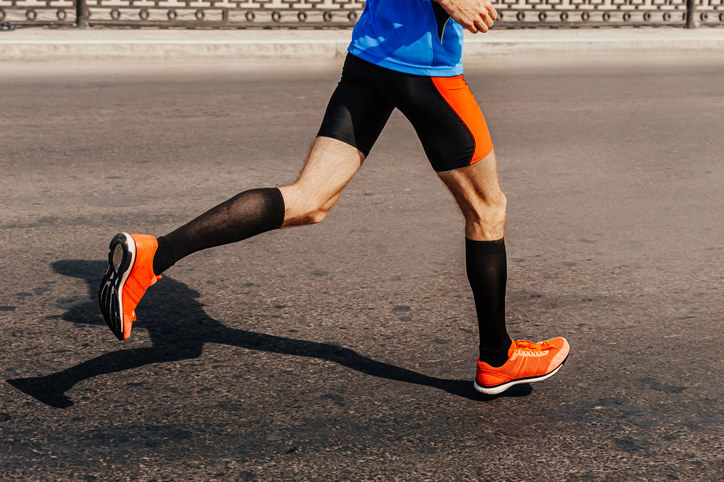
(495, 357)
(163, 259)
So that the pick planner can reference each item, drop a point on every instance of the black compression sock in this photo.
(163, 259)
(487, 273)
(496, 358)
(243, 216)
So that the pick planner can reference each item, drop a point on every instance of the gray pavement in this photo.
(43, 44)
(346, 351)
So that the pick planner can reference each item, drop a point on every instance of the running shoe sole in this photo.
(121, 258)
(504, 386)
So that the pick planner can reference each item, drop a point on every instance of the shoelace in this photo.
(531, 347)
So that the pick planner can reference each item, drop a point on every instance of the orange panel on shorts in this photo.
(457, 94)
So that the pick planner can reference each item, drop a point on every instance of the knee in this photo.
(308, 213)
(492, 211)
(499, 206)
(303, 209)
(315, 214)
(486, 219)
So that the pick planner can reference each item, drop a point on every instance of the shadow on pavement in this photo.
(179, 330)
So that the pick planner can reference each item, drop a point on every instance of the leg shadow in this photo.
(179, 327)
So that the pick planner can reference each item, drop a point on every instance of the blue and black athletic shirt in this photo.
(412, 36)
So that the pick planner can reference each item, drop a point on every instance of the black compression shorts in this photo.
(442, 110)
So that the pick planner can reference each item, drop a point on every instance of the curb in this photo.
(108, 44)
(171, 50)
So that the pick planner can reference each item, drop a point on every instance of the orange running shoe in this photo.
(527, 362)
(130, 273)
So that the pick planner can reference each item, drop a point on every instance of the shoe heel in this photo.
(117, 257)
(120, 255)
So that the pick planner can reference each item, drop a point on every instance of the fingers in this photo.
(489, 17)
(475, 18)
(492, 12)
(485, 21)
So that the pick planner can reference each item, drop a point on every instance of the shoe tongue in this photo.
(525, 344)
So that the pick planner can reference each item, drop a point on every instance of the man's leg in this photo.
(355, 116)
(330, 165)
(455, 136)
(503, 362)
(482, 202)
(136, 261)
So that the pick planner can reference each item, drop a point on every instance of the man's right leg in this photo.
(330, 165)
(354, 118)
(136, 261)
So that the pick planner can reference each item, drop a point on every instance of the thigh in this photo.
(357, 111)
(476, 185)
(330, 165)
(447, 119)
(478, 193)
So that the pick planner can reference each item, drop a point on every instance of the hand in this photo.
(474, 15)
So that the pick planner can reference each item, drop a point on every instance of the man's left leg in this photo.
(477, 191)
(455, 136)
(503, 362)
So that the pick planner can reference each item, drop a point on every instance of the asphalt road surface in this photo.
(347, 350)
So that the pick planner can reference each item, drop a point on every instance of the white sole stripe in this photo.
(501, 388)
(131, 245)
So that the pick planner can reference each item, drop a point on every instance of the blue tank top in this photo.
(412, 36)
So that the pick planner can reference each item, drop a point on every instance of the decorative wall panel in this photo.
(709, 13)
(37, 12)
(584, 13)
(232, 13)
(344, 13)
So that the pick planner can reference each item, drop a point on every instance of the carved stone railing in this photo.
(344, 13)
